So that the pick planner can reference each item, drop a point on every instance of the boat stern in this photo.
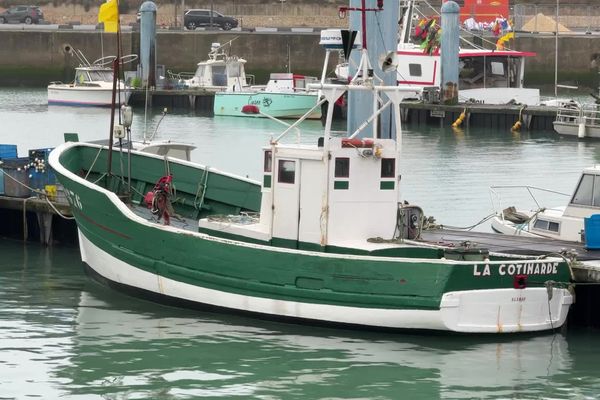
(506, 310)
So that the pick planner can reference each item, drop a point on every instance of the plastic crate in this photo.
(40, 179)
(17, 182)
(8, 151)
(592, 232)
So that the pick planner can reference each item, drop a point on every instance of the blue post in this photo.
(382, 37)
(148, 43)
(449, 52)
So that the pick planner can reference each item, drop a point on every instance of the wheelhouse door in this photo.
(286, 201)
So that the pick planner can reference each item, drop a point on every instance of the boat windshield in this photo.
(588, 191)
(86, 77)
(482, 72)
(106, 76)
(235, 69)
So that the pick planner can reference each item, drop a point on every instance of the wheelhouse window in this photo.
(342, 167)
(545, 225)
(415, 70)
(388, 167)
(200, 71)
(268, 162)
(234, 69)
(588, 191)
(219, 75)
(286, 172)
(497, 68)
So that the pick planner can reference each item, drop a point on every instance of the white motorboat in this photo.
(92, 86)
(578, 119)
(564, 222)
(219, 72)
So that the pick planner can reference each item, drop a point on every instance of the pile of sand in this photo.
(543, 23)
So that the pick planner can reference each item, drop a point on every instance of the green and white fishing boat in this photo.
(324, 238)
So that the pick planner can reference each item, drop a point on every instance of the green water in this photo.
(62, 336)
(65, 336)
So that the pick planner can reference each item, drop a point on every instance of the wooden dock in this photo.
(486, 116)
(198, 100)
(37, 218)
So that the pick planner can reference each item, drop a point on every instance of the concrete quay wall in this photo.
(578, 59)
(37, 57)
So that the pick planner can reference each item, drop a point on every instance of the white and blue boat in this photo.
(285, 96)
(92, 85)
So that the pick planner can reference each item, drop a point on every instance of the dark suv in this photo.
(198, 17)
(22, 14)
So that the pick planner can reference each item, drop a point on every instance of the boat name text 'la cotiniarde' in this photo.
(516, 269)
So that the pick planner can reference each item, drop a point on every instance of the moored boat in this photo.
(221, 71)
(286, 95)
(315, 243)
(92, 85)
(488, 76)
(578, 119)
(560, 222)
(325, 237)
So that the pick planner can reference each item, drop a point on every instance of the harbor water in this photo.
(64, 336)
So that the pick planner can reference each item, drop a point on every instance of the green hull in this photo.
(278, 105)
(130, 250)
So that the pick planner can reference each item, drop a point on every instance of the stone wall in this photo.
(38, 57)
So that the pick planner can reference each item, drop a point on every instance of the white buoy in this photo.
(581, 128)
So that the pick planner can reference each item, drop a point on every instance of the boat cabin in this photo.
(288, 82)
(310, 201)
(220, 71)
(485, 76)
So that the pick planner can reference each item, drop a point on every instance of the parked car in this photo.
(200, 17)
(22, 14)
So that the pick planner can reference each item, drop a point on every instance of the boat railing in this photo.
(179, 75)
(575, 113)
(496, 196)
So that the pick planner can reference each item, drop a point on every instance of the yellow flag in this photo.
(109, 14)
(504, 39)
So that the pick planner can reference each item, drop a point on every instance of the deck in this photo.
(588, 270)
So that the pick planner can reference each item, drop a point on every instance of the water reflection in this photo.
(66, 336)
(160, 351)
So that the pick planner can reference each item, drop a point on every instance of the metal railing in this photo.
(496, 198)
(576, 113)
(542, 18)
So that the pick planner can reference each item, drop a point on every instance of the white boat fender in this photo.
(581, 128)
